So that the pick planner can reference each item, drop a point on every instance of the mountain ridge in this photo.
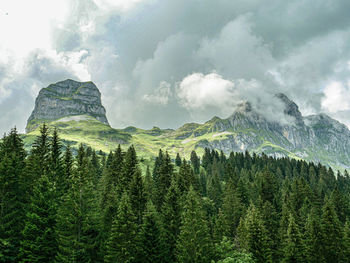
(316, 138)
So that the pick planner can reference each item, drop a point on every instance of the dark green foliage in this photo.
(150, 241)
(162, 178)
(122, 242)
(331, 233)
(193, 243)
(171, 220)
(253, 236)
(77, 224)
(39, 237)
(13, 194)
(313, 238)
(195, 162)
(293, 247)
(227, 253)
(137, 195)
(60, 205)
(178, 160)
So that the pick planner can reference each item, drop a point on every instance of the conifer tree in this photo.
(194, 243)
(293, 248)
(121, 245)
(253, 237)
(331, 233)
(195, 162)
(137, 195)
(232, 210)
(13, 195)
(77, 224)
(39, 237)
(313, 238)
(150, 241)
(57, 175)
(171, 219)
(129, 168)
(346, 242)
(39, 159)
(163, 180)
(185, 178)
(149, 185)
(178, 160)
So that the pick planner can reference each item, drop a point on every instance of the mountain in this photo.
(75, 108)
(67, 98)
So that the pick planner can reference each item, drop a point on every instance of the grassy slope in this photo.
(99, 136)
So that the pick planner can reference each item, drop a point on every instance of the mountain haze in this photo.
(75, 108)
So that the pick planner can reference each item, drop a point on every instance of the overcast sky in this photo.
(167, 62)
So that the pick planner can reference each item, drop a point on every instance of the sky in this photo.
(168, 62)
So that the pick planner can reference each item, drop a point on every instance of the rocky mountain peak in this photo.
(291, 108)
(67, 98)
(244, 107)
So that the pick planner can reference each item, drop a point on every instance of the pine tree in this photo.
(57, 175)
(346, 241)
(195, 162)
(232, 210)
(331, 233)
(185, 178)
(39, 238)
(149, 185)
(313, 238)
(67, 168)
(178, 160)
(129, 168)
(253, 237)
(13, 195)
(137, 195)
(77, 225)
(39, 159)
(150, 241)
(121, 245)
(171, 219)
(194, 243)
(293, 249)
(163, 180)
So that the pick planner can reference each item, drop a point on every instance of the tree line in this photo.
(56, 206)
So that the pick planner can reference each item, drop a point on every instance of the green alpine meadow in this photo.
(174, 131)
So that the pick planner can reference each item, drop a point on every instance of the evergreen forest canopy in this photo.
(92, 207)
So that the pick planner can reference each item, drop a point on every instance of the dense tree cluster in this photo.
(56, 206)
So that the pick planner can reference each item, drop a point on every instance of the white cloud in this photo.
(336, 97)
(27, 25)
(198, 91)
(160, 95)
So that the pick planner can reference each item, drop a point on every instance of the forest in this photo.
(62, 205)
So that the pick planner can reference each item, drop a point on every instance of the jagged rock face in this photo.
(316, 138)
(67, 98)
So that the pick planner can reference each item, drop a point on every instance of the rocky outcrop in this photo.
(67, 98)
(317, 138)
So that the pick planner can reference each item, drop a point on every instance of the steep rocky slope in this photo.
(67, 98)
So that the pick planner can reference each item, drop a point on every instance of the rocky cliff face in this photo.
(67, 98)
(316, 138)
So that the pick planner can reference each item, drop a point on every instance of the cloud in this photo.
(336, 97)
(203, 94)
(198, 92)
(129, 48)
(160, 95)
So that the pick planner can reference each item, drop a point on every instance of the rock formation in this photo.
(67, 98)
